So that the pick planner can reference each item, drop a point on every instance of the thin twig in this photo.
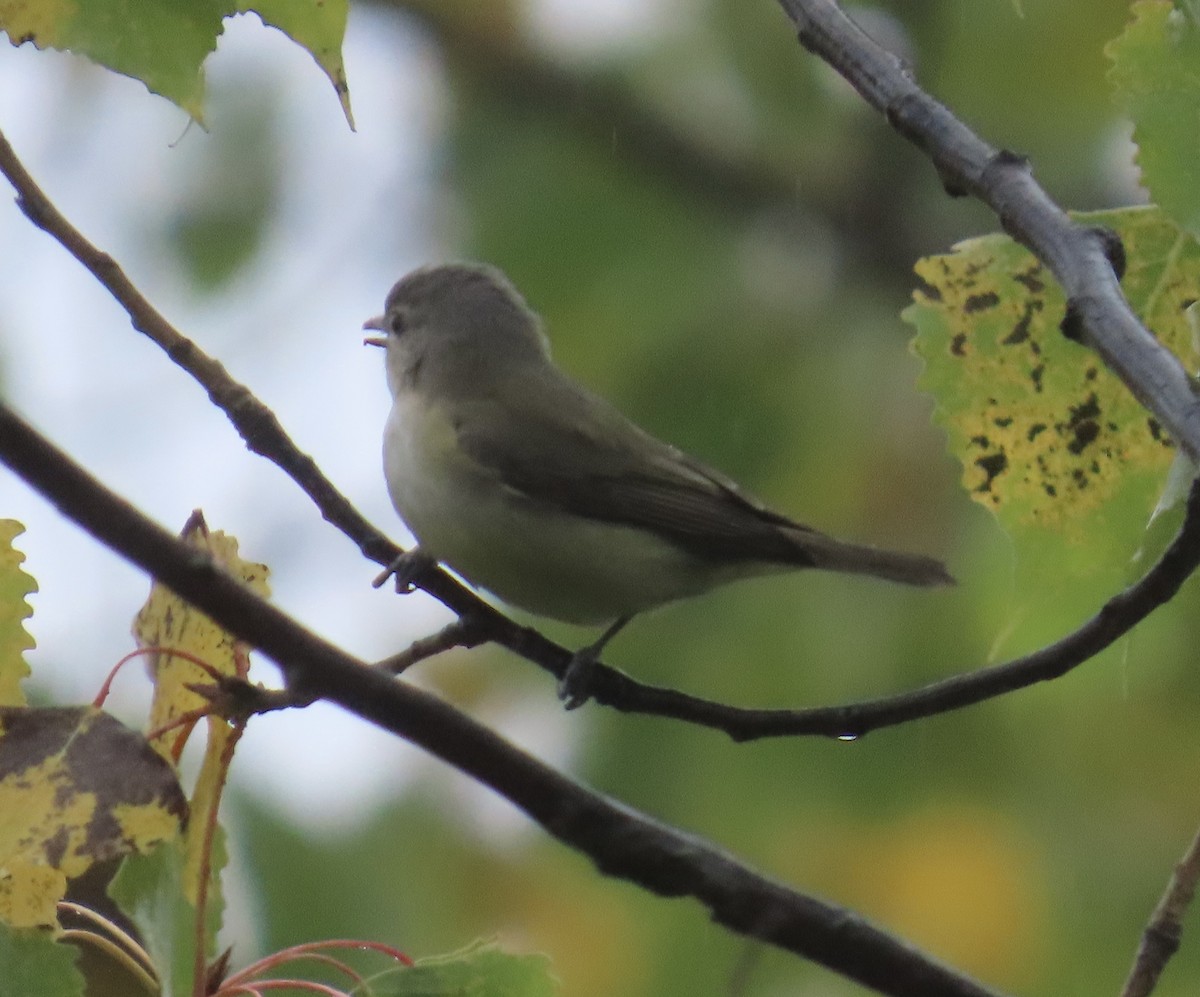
(1085, 261)
(260, 429)
(463, 632)
(236, 699)
(620, 840)
(1115, 619)
(1160, 940)
(256, 423)
(264, 435)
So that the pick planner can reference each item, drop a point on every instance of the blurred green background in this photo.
(720, 236)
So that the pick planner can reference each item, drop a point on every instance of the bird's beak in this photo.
(375, 323)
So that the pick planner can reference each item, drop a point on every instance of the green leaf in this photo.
(1048, 439)
(317, 25)
(1155, 74)
(481, 969)
(164, 43)
(15, 585)
(160, 42)
(33, 964)
(149, 889)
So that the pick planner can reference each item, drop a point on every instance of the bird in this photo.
(533, 488)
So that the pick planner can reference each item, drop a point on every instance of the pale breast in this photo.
(418, 451)
(529, 555)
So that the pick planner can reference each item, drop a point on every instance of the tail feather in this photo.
(830, 554)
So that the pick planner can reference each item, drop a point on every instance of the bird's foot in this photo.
(575, 686)
(405, 569)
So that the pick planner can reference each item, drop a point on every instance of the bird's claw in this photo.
(575, 686)
(578, 682)
(405, 570)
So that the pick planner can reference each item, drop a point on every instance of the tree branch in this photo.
(1087, 262)
(461, 633)
(1115, 619)
(1161, 938)
(621, 841)
(260, 429)
(264, 435)
(257, 424)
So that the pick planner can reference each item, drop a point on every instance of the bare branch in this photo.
(620, 841)
(261, 430)
(461, 633)
(1115, 619)
(234, 698)
(265, 436)
(1087, 262)
(256, 423)
(1161, 938)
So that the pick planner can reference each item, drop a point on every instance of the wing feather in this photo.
(570, 450)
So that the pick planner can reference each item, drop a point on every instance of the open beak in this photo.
(376, 324)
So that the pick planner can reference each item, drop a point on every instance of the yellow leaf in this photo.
(1046, 435)
(15, 585)
(78, 788)
(1050, 441)
(29, 895)
(168, 623)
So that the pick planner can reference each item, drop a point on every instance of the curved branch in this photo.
(258, 426)
(1087, 262)
(621, 841)
(264, 435)
(1161, 938)
(1115, 619)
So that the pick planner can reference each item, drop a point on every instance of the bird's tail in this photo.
(830, 554)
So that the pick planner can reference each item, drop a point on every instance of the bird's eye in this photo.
(396, 323)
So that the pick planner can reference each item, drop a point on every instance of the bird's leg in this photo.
(575, 686)
(406, 567)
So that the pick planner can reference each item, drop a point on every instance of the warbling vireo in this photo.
(531, 487)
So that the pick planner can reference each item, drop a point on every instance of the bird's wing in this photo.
(574, 452)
